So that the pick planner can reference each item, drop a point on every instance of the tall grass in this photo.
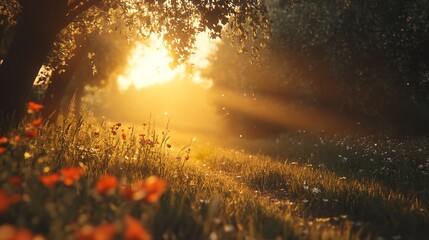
(213, 193)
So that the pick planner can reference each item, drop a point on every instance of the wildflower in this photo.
(2, 150)
(37, 122)
(27, 155)
(33, 107)
(134, 230)
(4, 140)
(71, 174)
(31, 133)
(149, 190)
(228, 228)
(9, 232)
(15, 181)
(316, 190)
(101, 232)
(6, 201)
(106, 183)
(49, 180)
(128, 193)
(154, 188)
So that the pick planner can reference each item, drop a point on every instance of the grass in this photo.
(307, 187)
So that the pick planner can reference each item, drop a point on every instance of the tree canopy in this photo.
(53, 27)
(364, 59)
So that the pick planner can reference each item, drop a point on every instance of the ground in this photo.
(298, 186)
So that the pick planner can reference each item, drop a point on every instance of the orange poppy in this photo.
(101, 232)
(37, 122)
(71, 174)
(6, 201)
(134, 230)
(4, 140)
(31, 133)
(9, 232)
(49, 180)
(149, 190)
(33, 107)
(106, 183)
(2, 150)
(154, 187)
(15, 181)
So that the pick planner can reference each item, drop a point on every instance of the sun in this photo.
(148, 66)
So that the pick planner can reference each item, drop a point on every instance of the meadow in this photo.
(88, 178)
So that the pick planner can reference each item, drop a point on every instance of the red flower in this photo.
(128, 193)
(149, 190)
(16, 138)
(2, 150)
(4, 140)
(6, 201)
(49, 180)
(31, 133)
(106, 183)
(37, 122)
(33, 107)
(71, 174)
(101, 232)
(15, 181)
(9, 232)
(134, 230)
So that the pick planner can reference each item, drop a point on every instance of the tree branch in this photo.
(77, 11)
(74, 4)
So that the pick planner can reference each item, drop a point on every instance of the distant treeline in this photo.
(367, 60)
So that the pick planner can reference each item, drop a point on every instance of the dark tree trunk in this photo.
(60, 80)
(35, 33)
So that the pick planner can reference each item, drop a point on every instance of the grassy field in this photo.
(304, 187)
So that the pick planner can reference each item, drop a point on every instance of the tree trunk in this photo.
(35, 33)
(60, 80)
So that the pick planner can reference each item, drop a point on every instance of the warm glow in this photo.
(149, 64)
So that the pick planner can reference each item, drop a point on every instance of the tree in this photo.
(40, 23)
(367, 60)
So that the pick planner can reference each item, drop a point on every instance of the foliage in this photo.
(176, 22)
(360, 58)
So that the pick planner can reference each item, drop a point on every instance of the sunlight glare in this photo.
(149, 64)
